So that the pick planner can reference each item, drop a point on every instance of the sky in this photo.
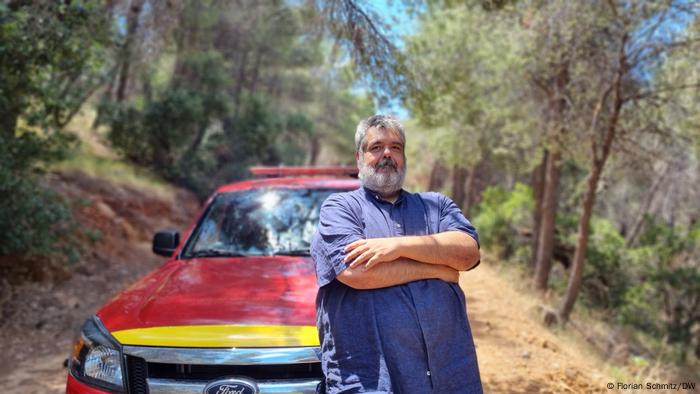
(402, 23)
(396, 12)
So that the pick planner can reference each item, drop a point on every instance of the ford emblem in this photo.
(232, 386)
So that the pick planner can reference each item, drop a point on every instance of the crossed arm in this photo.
(384, 262)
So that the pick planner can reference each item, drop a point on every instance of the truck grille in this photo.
(137, 373)
(257, 372)
(154, 370)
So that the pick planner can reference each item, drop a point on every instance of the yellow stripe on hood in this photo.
(220, 336)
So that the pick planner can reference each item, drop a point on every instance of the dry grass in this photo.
(94, 157)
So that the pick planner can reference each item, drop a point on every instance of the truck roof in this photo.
(325, 182)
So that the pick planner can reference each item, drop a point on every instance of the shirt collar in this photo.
(372, 195)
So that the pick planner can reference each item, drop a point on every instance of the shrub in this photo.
(53, 58)
(501, 218)
(32, 220)
(605, 278)
(664, 297)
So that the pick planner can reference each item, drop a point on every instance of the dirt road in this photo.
(516, 353)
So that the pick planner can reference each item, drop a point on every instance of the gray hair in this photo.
(386, 122)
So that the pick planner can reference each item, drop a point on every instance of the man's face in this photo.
(382, 163)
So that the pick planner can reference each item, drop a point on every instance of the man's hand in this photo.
(373, 251)
(454, 249)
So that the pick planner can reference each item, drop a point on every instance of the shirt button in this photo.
(398, 225)
(428, 373)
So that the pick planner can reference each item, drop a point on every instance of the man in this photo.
(390, 314)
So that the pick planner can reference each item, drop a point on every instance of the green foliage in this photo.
(640, 309)
(653, 286)
(605, 280)
(501, 216)
(267, 96)
(165, 132)
(255, 131)
(32, 220)
(158, 132)
(288, 144)
(52, 55)
(464, 69)
(663, 297)
(52, 60)
(248, 140)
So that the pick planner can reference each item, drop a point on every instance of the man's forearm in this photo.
(397, 272)
(454, 249)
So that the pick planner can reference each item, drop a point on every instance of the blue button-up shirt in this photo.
(411, 338)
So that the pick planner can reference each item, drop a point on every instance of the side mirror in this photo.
(165, 242)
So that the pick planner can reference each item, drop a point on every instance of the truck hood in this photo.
(218, 302)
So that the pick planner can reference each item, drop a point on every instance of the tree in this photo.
(632, 46)
(52, 61)
(559, 30)
(132, 26)
(53, 55)
(466, 104)
(366, 37)
(193, 117)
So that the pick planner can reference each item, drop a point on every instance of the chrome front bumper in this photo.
(232, 356)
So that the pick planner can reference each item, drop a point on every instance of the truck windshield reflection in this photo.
(258, 222)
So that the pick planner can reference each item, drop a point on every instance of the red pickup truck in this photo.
(232, 310)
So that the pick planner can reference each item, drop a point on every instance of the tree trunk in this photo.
(538, 190)
(196, 142)
(469, 198)
(437, 176)
(576, 275)
(644, 208)
(8, 123)
(556, 106)
(599, 159)
(238, 90)
(545, 246)
(314, 150)
(132, 28)
(459, 175)
(162, 160)
(186, 40)
(256, 70)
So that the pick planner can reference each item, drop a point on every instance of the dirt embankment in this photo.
(40, 318)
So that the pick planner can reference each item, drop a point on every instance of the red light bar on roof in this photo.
(308, 171)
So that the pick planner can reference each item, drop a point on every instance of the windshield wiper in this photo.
(214, 253)
(293, 252)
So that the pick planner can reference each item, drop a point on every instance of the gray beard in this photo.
(382, 183)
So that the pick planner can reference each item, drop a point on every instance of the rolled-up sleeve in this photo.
(451, 219)
(337, 227)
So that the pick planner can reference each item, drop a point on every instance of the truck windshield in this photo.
(258, 222)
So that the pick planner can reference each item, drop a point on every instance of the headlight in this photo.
(96, 357)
